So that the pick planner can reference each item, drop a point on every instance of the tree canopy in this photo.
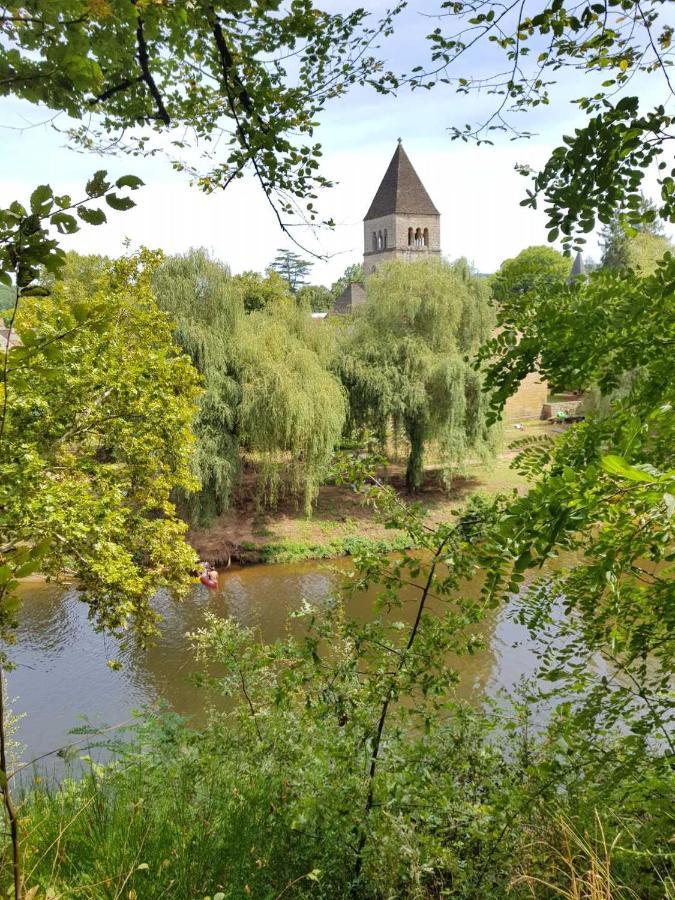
(96, 436)
(292, 267)
(293, 409)
(203, 300)
(533, 268)
(259, 290)
(315, 296)
(268, 389)
(635, 247)
(199, 73)
(405, 363)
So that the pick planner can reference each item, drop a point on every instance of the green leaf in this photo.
(119, 203)
(27, 568)
(35, 290)
(523, 561)
(92, 216)
(130, 181)
(81, 311)
(41, 200)
(98, 185)
(616, 465)
(65, 223)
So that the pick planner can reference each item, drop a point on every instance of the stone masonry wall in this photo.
(397, 239)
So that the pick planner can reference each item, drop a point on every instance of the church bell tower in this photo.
(402, 222)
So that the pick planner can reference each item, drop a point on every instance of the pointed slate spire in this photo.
(401, 190)
(578, 267)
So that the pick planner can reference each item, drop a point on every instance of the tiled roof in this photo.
(352, 296)
(578, 267)
(401, 191)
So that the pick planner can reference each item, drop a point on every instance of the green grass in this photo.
(226, 813)
(350, 545)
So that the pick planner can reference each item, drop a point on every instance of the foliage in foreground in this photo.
(272, 795)
(461, 812)
(344, 764)
(95, 437)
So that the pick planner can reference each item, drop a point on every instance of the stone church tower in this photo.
(402, 222)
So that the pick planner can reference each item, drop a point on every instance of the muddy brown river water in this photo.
(62, 675)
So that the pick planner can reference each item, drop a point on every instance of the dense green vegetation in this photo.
(344, 764)
(533, 269)
(96, 435)
(406, 361)
(269, 393)
(639, 246)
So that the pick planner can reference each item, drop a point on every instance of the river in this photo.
(62, 677)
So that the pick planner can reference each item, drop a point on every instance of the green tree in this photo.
(258, 290)
(193, 68)
(97, 431)
(206, 304)
(95, 437)
(532, 269)
(292, 267)
(640, 249)
(315, 296)
(405, 363)
(293, 409)
(268, 389)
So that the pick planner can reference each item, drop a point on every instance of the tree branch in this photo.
(144, 63)
(115, 89)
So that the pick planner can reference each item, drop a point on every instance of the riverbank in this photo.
(342, 522)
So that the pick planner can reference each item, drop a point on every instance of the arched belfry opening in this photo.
(402, 220)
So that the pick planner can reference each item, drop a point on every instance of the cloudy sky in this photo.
(475, 188)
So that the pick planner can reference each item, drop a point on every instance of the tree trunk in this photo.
(7, 796)
(415, 471)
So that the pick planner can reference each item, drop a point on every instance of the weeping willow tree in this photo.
(407, 362)
(268, 390)
(207, 310)
(292, 409)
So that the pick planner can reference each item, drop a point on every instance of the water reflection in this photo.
(62, 670)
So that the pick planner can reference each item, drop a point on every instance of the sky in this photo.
(476, 189)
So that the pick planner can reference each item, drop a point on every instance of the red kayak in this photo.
(207, 582)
